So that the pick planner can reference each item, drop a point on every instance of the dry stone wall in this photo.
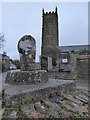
(26, 77)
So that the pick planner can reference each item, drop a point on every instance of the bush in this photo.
(84, 52)
(17, 63)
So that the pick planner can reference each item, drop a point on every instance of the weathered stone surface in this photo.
(30, 112)
(38, 91)
(66, 106)
(27, 51)
(26, 77)
(71, 98)
(40, 108)
(52, 106)
(52, 114)
(13, 114)
(55, 99)
(83, 67)
(84, 97)
(66, 115)
(60, 75)
(28, 74)
(81, 99)
(45, 108)
(50, 39)
(28, 108)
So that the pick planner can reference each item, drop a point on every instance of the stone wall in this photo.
(39, 94)
(83, 67)
(60, 75)
(26, 77)
(79, 68)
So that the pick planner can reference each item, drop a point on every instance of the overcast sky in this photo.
(19, 19)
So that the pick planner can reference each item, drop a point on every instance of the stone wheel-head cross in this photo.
(27, 51)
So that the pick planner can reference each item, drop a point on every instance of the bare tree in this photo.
(2, 39)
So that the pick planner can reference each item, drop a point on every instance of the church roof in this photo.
(74, 48)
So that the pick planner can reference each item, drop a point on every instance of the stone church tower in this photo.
(50, 41)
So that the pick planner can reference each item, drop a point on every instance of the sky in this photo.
(19, 19)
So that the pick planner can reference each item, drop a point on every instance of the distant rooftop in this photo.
(2, 56)
(75, 48)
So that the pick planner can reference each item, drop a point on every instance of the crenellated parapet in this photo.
(50, 12)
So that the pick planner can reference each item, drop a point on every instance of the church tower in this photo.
(50, 41)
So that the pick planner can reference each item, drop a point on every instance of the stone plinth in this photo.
(26, 77)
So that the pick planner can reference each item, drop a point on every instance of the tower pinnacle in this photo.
(56, 9)
(43, 11)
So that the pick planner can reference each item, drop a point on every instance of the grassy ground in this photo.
(37, 66)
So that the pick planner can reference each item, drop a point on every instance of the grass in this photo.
(37, 66)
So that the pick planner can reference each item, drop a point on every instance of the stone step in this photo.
(81, 99)
(72, 99)
(37, 91)
(40, 108)
(50, 105)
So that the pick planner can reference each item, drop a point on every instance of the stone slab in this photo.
(38, 91)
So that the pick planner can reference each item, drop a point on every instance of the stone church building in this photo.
(50, 40)
(68, 60)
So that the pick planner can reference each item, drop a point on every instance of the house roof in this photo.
(4, 57)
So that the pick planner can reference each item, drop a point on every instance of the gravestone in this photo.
(49, 63)
(27, 51)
